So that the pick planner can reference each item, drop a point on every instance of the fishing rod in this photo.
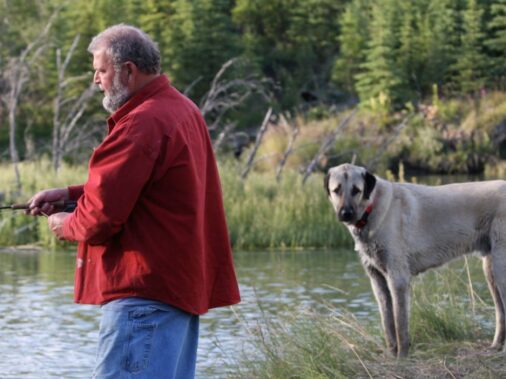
(65, 205)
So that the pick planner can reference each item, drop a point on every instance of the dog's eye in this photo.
(355, 191)
(338, 189)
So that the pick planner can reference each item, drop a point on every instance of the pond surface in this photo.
(43, 334)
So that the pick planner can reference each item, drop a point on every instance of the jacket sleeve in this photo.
(118, 171)
(75, 192)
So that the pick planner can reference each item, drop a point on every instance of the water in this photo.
(43, 334)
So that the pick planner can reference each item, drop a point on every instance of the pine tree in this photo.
(201, 38)
(440, 39)
(353, 42)
(497, 42)
(470, 65)
(410, 55)
(381, 76)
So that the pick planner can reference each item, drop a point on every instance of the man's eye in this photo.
(355, 191)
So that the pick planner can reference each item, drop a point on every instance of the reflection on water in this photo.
(45, 335)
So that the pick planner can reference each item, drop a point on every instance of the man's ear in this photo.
(370, 182)
(326, 183)
(131, 69)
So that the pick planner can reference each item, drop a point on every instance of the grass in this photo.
(450, 335)
(15, 227)
(261, 212)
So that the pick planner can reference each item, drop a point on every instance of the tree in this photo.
(293, 42)
(469, 68)
(68, 111)
(200, 39)
(441, 40)
(353, 39)
(411, 58)
(15, 76)
(497, 41)
(381, 76)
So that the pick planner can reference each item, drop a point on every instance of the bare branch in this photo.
(388, 141)
(294, 132)
(221, 137)
(327, 143)
(258, 141)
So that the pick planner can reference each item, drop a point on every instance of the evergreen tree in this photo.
(352, 43)
(441, 39)
(381, 77)
(294, 42)
(201, 38)
(470, 65)
(155, 16)
(410, 53)
(497, 42)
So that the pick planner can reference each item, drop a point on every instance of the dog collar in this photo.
(363, 221)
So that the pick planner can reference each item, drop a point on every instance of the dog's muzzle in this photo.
(346, 214)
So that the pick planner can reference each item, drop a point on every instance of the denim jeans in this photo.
(142, 338)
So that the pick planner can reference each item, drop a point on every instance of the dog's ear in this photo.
(326, 183)
(370, 182)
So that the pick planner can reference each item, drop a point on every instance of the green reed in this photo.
(17, 228)
(263, 213)
(451, 327)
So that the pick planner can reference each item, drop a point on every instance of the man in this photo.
(153, 244)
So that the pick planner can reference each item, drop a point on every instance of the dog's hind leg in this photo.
(384, 300)
(499, 305)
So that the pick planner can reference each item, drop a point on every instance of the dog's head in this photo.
(349, 189)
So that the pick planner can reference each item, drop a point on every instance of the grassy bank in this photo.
(261, 213)
(451, 329)
(15, 227)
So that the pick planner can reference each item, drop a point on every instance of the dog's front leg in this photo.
(399, 289)
(384, 300)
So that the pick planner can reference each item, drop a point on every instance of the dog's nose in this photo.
(346, 214)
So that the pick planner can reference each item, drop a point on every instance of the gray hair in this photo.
(123, 43)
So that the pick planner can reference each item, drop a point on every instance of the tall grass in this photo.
(17, 228)
(449, 338)
(263, 213)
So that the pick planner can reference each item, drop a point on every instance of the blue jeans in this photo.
(142, 338)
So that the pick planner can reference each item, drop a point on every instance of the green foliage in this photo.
(497, 41)
(381, 76)
(353, 42)
(262, 213)
(292, 41)
(391, 53)
(470, 65)
(199, 31)
(16, 227)
(448, 320)
(440, 39)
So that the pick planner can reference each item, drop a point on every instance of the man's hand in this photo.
(40, 205)
(56, 221)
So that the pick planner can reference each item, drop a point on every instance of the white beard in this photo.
(117, 96)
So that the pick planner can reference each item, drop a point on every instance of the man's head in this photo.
(124, 60)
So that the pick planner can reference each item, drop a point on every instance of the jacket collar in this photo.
(137, 99)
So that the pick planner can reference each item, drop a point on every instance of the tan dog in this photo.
(401, 230)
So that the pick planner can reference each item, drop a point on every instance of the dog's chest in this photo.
(372, 254)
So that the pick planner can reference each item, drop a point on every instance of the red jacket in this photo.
(150, 219)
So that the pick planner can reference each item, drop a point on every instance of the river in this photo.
(45, 335)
